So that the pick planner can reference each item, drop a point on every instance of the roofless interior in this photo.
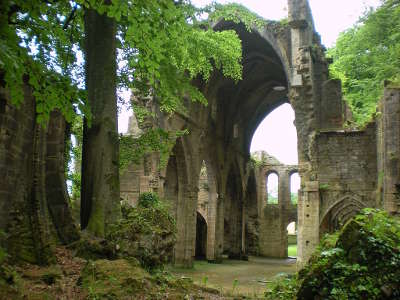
(263, 88)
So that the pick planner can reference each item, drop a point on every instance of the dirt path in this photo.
(238, 277)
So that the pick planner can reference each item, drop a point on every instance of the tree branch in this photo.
(70, 17)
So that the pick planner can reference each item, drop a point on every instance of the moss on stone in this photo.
(117, 279)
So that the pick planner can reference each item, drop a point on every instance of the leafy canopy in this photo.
(162, 46)
(38, 42)
(366, 55)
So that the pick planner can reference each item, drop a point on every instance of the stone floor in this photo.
(238, 277)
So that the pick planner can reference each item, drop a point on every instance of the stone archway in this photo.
(339, 213)
(281, 63)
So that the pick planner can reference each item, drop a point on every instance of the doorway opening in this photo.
(292, 239)
(201, 237)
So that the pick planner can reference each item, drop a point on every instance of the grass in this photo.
(236, 277)
(292, 250)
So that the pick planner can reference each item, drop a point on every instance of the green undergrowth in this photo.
(121, 279)
(362, 261)
(145, 232)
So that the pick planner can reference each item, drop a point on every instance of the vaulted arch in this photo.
(340, 212)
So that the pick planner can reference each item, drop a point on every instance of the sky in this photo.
(330, 18)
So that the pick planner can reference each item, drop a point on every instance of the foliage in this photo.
(132, 150)
(256, 162)
(324, 186)
(75, 158)
(162, 47)
(294, 197)
(37, 47)
(359, 262)
(236, 13)
(272, 198)
(145, 232)
(148, 200)
(283, 287)
(362, 264)
(366, 55)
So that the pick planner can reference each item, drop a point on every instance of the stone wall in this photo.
(341, 171)
(388, 148)
(274, 218)
(347, 169)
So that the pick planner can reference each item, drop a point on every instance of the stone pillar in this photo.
(243, 235)
(308, 221)
(305, 92)
(185, 246)
(212, 226)
(391, 150)
(235, 251)
(219, 230)
(284, 202)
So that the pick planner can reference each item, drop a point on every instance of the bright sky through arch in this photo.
(277, 135)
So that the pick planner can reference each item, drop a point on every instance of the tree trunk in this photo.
(27, 186)
(56, 189)
(100, 204)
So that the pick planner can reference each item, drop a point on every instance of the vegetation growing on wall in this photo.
(133, 149)
(366, 55)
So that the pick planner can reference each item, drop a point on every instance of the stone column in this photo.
(284, 202)
(391, 150)
(308, 221)
(212, 220)
(305, 99)
(243, 235)
(219, 230)
(185, 246)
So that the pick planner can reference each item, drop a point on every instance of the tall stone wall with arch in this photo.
(333, 161)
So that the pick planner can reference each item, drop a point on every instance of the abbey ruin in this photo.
(218, 196)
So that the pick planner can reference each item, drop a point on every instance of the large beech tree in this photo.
(161, 47)
(100, 164)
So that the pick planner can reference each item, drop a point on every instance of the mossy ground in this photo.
(76, 278)
(237, 278)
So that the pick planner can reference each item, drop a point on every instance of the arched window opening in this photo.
(272, 188)
(292, 239)
(294, 187)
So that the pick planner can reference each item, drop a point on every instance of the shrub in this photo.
(146, 232)
(359, 262)
(363, 263)
(148, 200)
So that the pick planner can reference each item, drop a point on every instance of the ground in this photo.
(236, 277)
(292, 250)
